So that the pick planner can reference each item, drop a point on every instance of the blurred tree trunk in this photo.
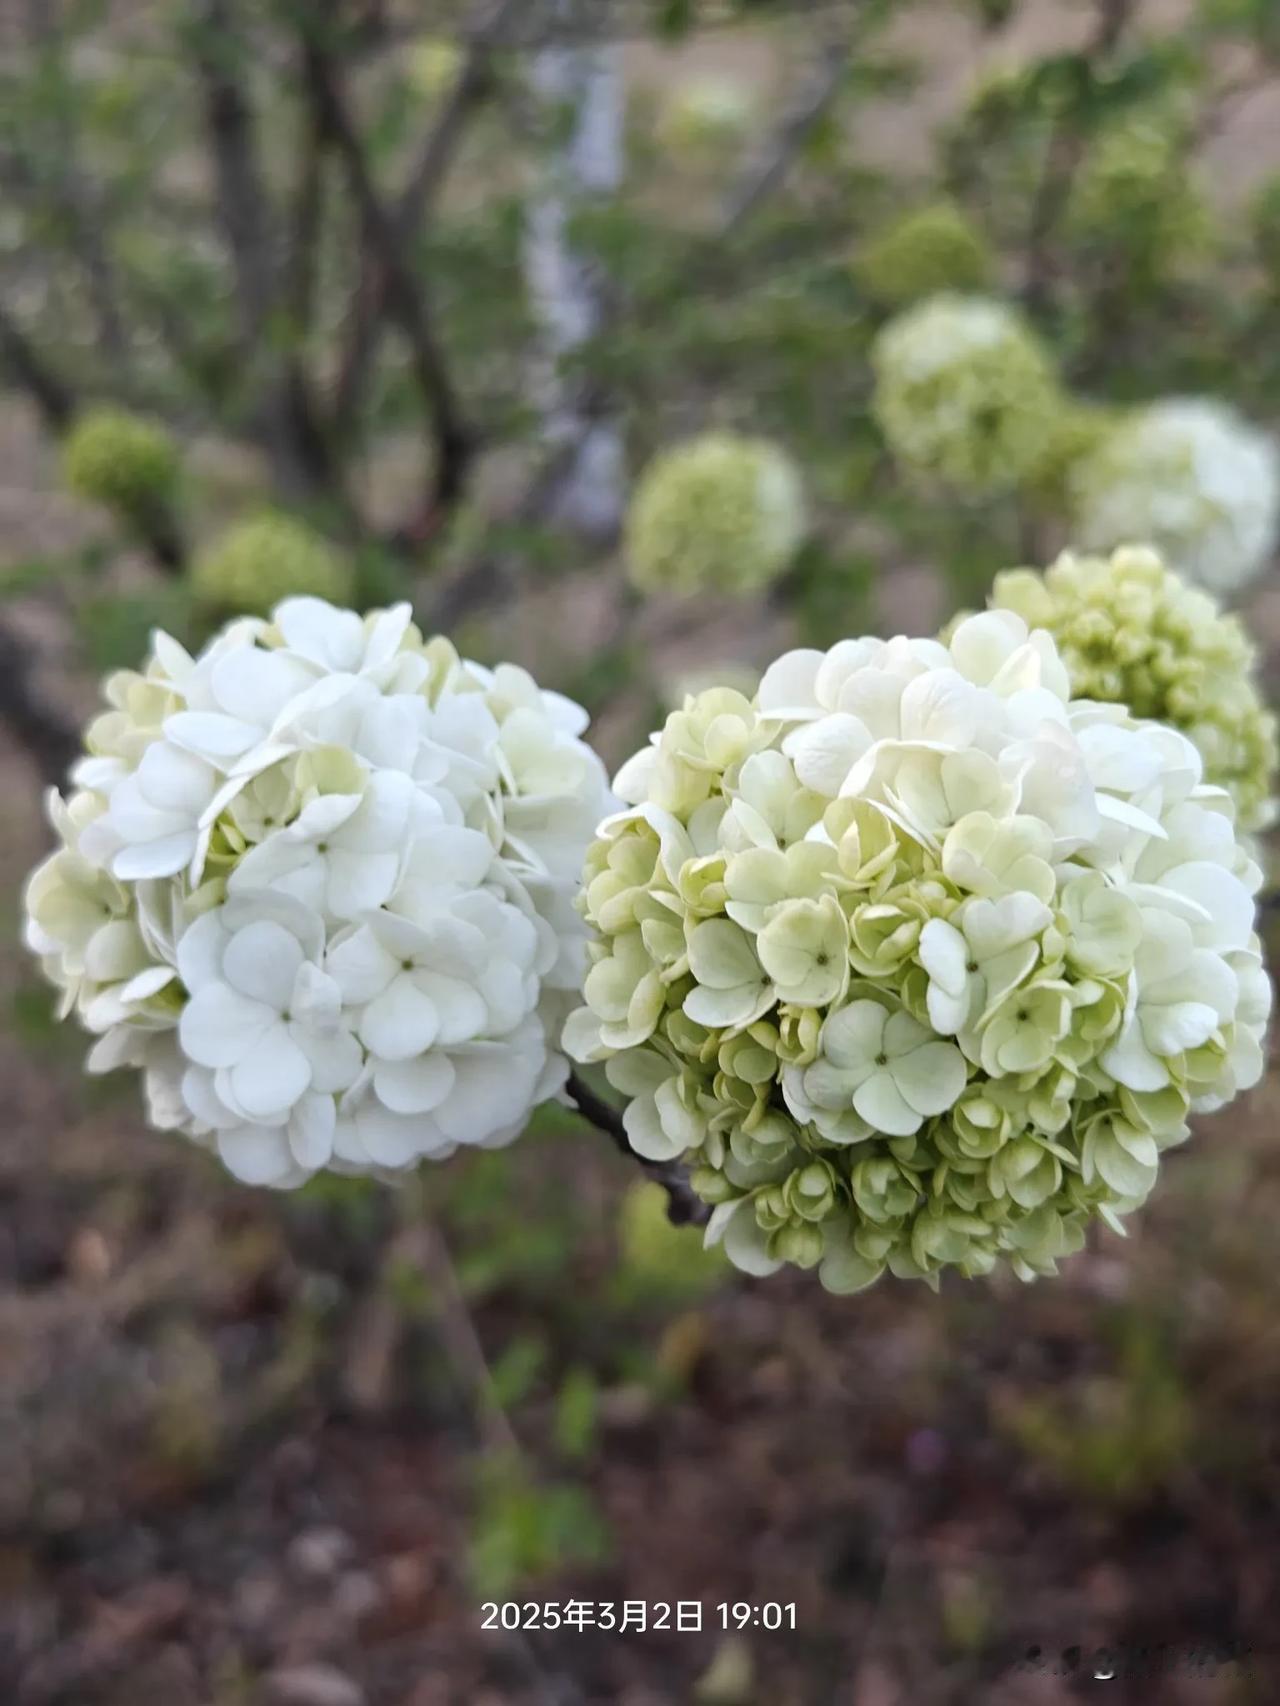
(578, 84)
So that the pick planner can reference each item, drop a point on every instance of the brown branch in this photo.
(310, 430)
(767, 170)
(157, 528)
(428, 174)
(53, 744)
(75, 195)
(51, 395)
(684, 1206)
(406, 297)
(1063, 158)
(242, 200)
(288, 418)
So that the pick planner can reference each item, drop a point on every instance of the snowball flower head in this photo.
(121, 460)
(717, 514)
(433, 65)
(1137, 196)
(269, 557)
(706, 115)
(1132, 632)
(916, 961)
(316, 883)
(927, 250)
(965, 394)
(1190, 477)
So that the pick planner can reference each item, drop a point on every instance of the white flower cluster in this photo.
(965, 393)
(316, 882)
(1190, 477)
(915, 960)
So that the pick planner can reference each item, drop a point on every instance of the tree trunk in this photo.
(579, 86)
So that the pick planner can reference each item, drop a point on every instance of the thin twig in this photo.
(364, 324)
(249, 220)
(424, 1243)
(46, 388)
(684, 1206)
(242, 199)
(53, 744)
(764, 173)
(1063, 156)
(406, 296)
(156, 527)
(75, 193)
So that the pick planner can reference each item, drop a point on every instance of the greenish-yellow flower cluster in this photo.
(717, 514)
(433, 65)
(927, 250)
(269, 557)
(1133, 633)
(914, 960)
(123, 461)
(965, 394)
(1137, 197)
(706, 116)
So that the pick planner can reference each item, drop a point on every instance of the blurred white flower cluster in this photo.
(1190, 477)
(316, 883)
(707, 115)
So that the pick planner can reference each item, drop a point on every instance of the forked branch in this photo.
(684, 1206)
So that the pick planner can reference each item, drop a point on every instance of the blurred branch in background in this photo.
(28, 369)
(765, 172)
(406, 295)
(1068, 140)
(363, 328)
(270, 280)
(580, 92)
(51, 740)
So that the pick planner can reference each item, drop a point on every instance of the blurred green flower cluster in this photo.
(719, 513)
(966, 394)
(930, 249)
(706, 116)
(432, 64)
(267, 558)
(1131, 632)
(121, 460)
(1137, 199)
(914, 960)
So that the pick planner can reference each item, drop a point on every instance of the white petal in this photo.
(493, 1089)
(200, 950)
(261, 961)
(359, 882)
(401, 1022)
(211, 734)
(271, 1077)
(787, 686)
(361, 966)
(414, 1086)
(219, 1026)
(164, 857)
(311, 1129)
(259, 1155)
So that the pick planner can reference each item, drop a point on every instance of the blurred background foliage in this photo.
(384, 300)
